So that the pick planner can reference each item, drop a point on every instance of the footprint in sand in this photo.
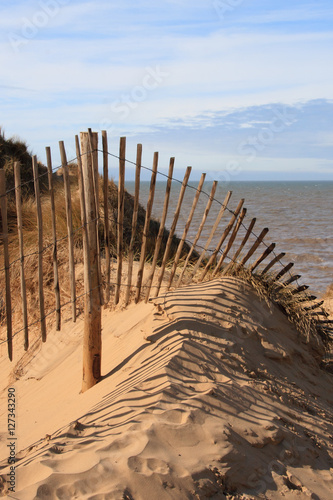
(148, 466)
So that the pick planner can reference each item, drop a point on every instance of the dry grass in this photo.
(12, 150)
(307, 322)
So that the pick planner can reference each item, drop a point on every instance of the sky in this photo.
(242, 89)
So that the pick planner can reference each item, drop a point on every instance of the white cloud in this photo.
(88, 65)
(306, 12)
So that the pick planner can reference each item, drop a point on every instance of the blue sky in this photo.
(243, 88)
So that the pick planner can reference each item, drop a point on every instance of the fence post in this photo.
(230, 242)
(146, 228)
(222, 239)
(197, 237)
(186, 228)
(86, 270)
(92, 341)
(93, 145)
(18, 194)
(106, 215)
(262, 257)
(69, 219)
(172, 229)
(254, 246)
(3, 204)
(120, 216)
(54, 237)
(276, 259)
(233, 259)
(134, 222)
(161, 229)
(40, 248)
(212, 233)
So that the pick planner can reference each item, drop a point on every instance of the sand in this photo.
(207, 392)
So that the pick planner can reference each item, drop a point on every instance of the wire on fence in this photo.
(54, 169)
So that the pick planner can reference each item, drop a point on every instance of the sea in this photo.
(299, 216)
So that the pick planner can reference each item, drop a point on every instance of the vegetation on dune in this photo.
(12, 150)
(295, 304)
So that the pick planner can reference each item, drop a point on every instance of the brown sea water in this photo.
(299, 216)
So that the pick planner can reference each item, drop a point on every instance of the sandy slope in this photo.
(208, 392)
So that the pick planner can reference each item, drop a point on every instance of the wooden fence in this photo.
(99, 238)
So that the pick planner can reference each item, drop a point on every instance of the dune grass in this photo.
(295, 305)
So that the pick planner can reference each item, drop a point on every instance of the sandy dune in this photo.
(208, 392)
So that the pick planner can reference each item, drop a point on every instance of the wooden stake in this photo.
(92, 341)
(106, 215)
(262, 257)
(69, 218)
(134, 222)
(120, 217)
(292, 279)
(230, 242)
(318, 313)
(173, 229)
(187, 227)
(40, 248)
(308, 298)
(314, 306)
(197, 237)
(93, 145)
(222, 239)
(274, 261)
(238, 251)
(146, 229)
(284, 271)
(18, 195)
(254, 246)
(3, 205)
(85, 237)
(54, 237)
(161, 229)
(213, 231)
(299, 289)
